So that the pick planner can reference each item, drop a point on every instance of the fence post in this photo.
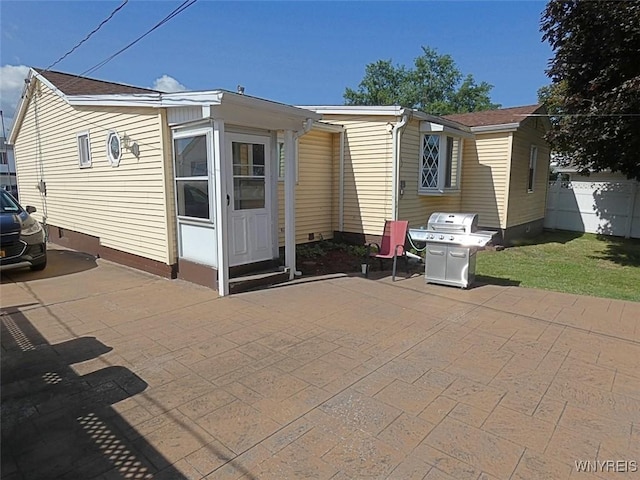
(630, 208)
(555, 194)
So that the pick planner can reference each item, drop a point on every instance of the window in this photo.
(114, 148)
(248, 175)
(439, 163)
(84, 150)
(4, 159)
(192, 176)
(533, 158)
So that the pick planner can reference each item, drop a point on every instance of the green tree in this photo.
(594, 97)
(434, 85)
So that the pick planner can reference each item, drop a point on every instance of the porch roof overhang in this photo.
(428, 122)
(242, 109)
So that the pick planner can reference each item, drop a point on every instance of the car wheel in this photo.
(38, 267)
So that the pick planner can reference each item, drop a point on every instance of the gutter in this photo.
(396, 133)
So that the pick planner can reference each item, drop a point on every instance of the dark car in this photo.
(22, 238)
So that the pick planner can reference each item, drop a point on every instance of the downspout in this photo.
(341, 186)
(396, 133)
(290, 199)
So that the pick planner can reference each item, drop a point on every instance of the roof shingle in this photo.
(76, 85)
(494, 117)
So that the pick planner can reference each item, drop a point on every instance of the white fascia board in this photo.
(505, 127)
(327, 127)
(275, 108)
(157, 100)
(49, 85)
(22, 106)
(431, 127)
(116, 100)
(444, 127)
(185, 99)
(356, 109)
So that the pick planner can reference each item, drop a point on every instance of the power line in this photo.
(183, 6)
(89, 35)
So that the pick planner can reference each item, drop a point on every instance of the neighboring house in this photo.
(208, 185)
(7, 168)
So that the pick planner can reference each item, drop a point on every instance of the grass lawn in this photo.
(569, 262)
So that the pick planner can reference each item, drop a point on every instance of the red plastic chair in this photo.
(392, 245)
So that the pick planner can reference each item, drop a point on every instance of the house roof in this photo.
(502, 116)
(72, 85)
(232, 107)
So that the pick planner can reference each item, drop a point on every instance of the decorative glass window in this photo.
(192, 176)
(114, 148)
(533, 159)
(439, 163)
(84, 150)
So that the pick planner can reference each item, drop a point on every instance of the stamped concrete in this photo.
(110, 373)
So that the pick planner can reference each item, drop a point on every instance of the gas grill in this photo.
(452, 241)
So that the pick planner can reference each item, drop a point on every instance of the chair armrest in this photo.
(369, 245)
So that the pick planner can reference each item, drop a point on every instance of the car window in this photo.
(7, 203)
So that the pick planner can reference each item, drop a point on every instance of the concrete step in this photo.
(256, 280)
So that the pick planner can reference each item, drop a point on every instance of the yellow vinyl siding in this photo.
(124, 206)
(367, 172)
(524, 206)
(485, 171)
(412, 206)
(315, 197)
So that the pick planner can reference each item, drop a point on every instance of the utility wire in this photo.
(183, 6)
(89, 35)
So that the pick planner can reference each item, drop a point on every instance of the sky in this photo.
(300, 53)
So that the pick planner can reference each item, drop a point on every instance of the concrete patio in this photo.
(111, 373)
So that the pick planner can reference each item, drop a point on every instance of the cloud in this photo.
(168, 84)
(11, 86)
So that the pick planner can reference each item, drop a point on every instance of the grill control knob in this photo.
(451, 238)
(441, 237)
(431, 235)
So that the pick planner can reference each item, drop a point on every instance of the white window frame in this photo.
(443, 164)
(201, 132)
(79, 137)
(113, 160)
(531, 175)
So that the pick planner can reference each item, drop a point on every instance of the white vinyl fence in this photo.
(608, 208)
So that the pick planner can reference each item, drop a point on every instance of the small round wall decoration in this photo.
(114, 148)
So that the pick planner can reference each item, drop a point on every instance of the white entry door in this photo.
(250, 232)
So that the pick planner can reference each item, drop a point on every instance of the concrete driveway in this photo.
(111, 373)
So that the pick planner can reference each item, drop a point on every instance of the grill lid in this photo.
(453, 222)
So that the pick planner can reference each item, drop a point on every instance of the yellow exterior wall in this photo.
(485, 173)
(412, 206)
(315, 197)
(367, 171)
(524, 206)
(125, 206)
